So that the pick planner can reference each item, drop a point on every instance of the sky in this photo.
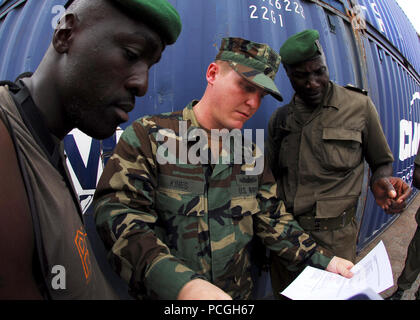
(412, 10)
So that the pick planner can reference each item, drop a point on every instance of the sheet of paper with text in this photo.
(373, 271)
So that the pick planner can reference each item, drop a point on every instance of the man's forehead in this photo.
(120, 27)
(135, 35)
(143, 34)
(150, 42)
(312, 64)
(158, 14)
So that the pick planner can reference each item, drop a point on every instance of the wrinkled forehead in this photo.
(158, 15)
(102, 19)
(91, 12)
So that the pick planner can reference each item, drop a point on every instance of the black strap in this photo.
(25, 103)
(37, 126)
(34, 214)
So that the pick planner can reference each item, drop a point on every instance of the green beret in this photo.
(160, 14)
(301, 47)
(256, 62)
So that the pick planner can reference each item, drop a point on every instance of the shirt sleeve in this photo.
(126, 219)
(281, 233)
(375, 145)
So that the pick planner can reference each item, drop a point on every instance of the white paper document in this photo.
(373, 271)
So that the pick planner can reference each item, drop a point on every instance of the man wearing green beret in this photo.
(317, 145)
(178, 226)
(97, 63)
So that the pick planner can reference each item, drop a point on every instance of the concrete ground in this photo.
(396, 239)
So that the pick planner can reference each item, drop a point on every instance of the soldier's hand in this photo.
(340, 266)
(391, 193)
(199, 289)
(403, 192)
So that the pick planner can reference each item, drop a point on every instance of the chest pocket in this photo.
(244, 196)
(180, 196)
(180, 205)
(341, 149)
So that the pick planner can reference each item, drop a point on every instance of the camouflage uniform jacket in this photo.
(168, 224)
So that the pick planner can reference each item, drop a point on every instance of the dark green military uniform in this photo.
(319, 159)
(319, 163)
(412, 263)
(166, 224)
(316, 150)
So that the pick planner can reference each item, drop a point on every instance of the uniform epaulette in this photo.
(353, 88)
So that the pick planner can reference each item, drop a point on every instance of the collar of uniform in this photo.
(331, 98)
(188, 114)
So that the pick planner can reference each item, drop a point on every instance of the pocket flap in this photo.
(341, 134)
(333, 207)
(246, 185)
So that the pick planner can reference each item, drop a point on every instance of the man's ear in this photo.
(63, 33)
(212, 71)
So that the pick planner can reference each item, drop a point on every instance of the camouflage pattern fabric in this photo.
(248, 53)
(256, 62)
(167, 224)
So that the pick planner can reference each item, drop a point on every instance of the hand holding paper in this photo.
(373, 271)
(340, 266)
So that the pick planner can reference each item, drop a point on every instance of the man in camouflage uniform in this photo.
(180, 228)
(316, 148)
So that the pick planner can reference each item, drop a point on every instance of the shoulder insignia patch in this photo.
(353, 88)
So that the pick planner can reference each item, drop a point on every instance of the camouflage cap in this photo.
(301, 47)
(256, 62)
(159, 14)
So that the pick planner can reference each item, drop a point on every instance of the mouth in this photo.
(313, 95)
(122, 109)
(126, 106)
(243, 115)
(313, 98)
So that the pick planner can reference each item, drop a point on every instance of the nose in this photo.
(312, 82)
(137, 83)
(254, 100)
